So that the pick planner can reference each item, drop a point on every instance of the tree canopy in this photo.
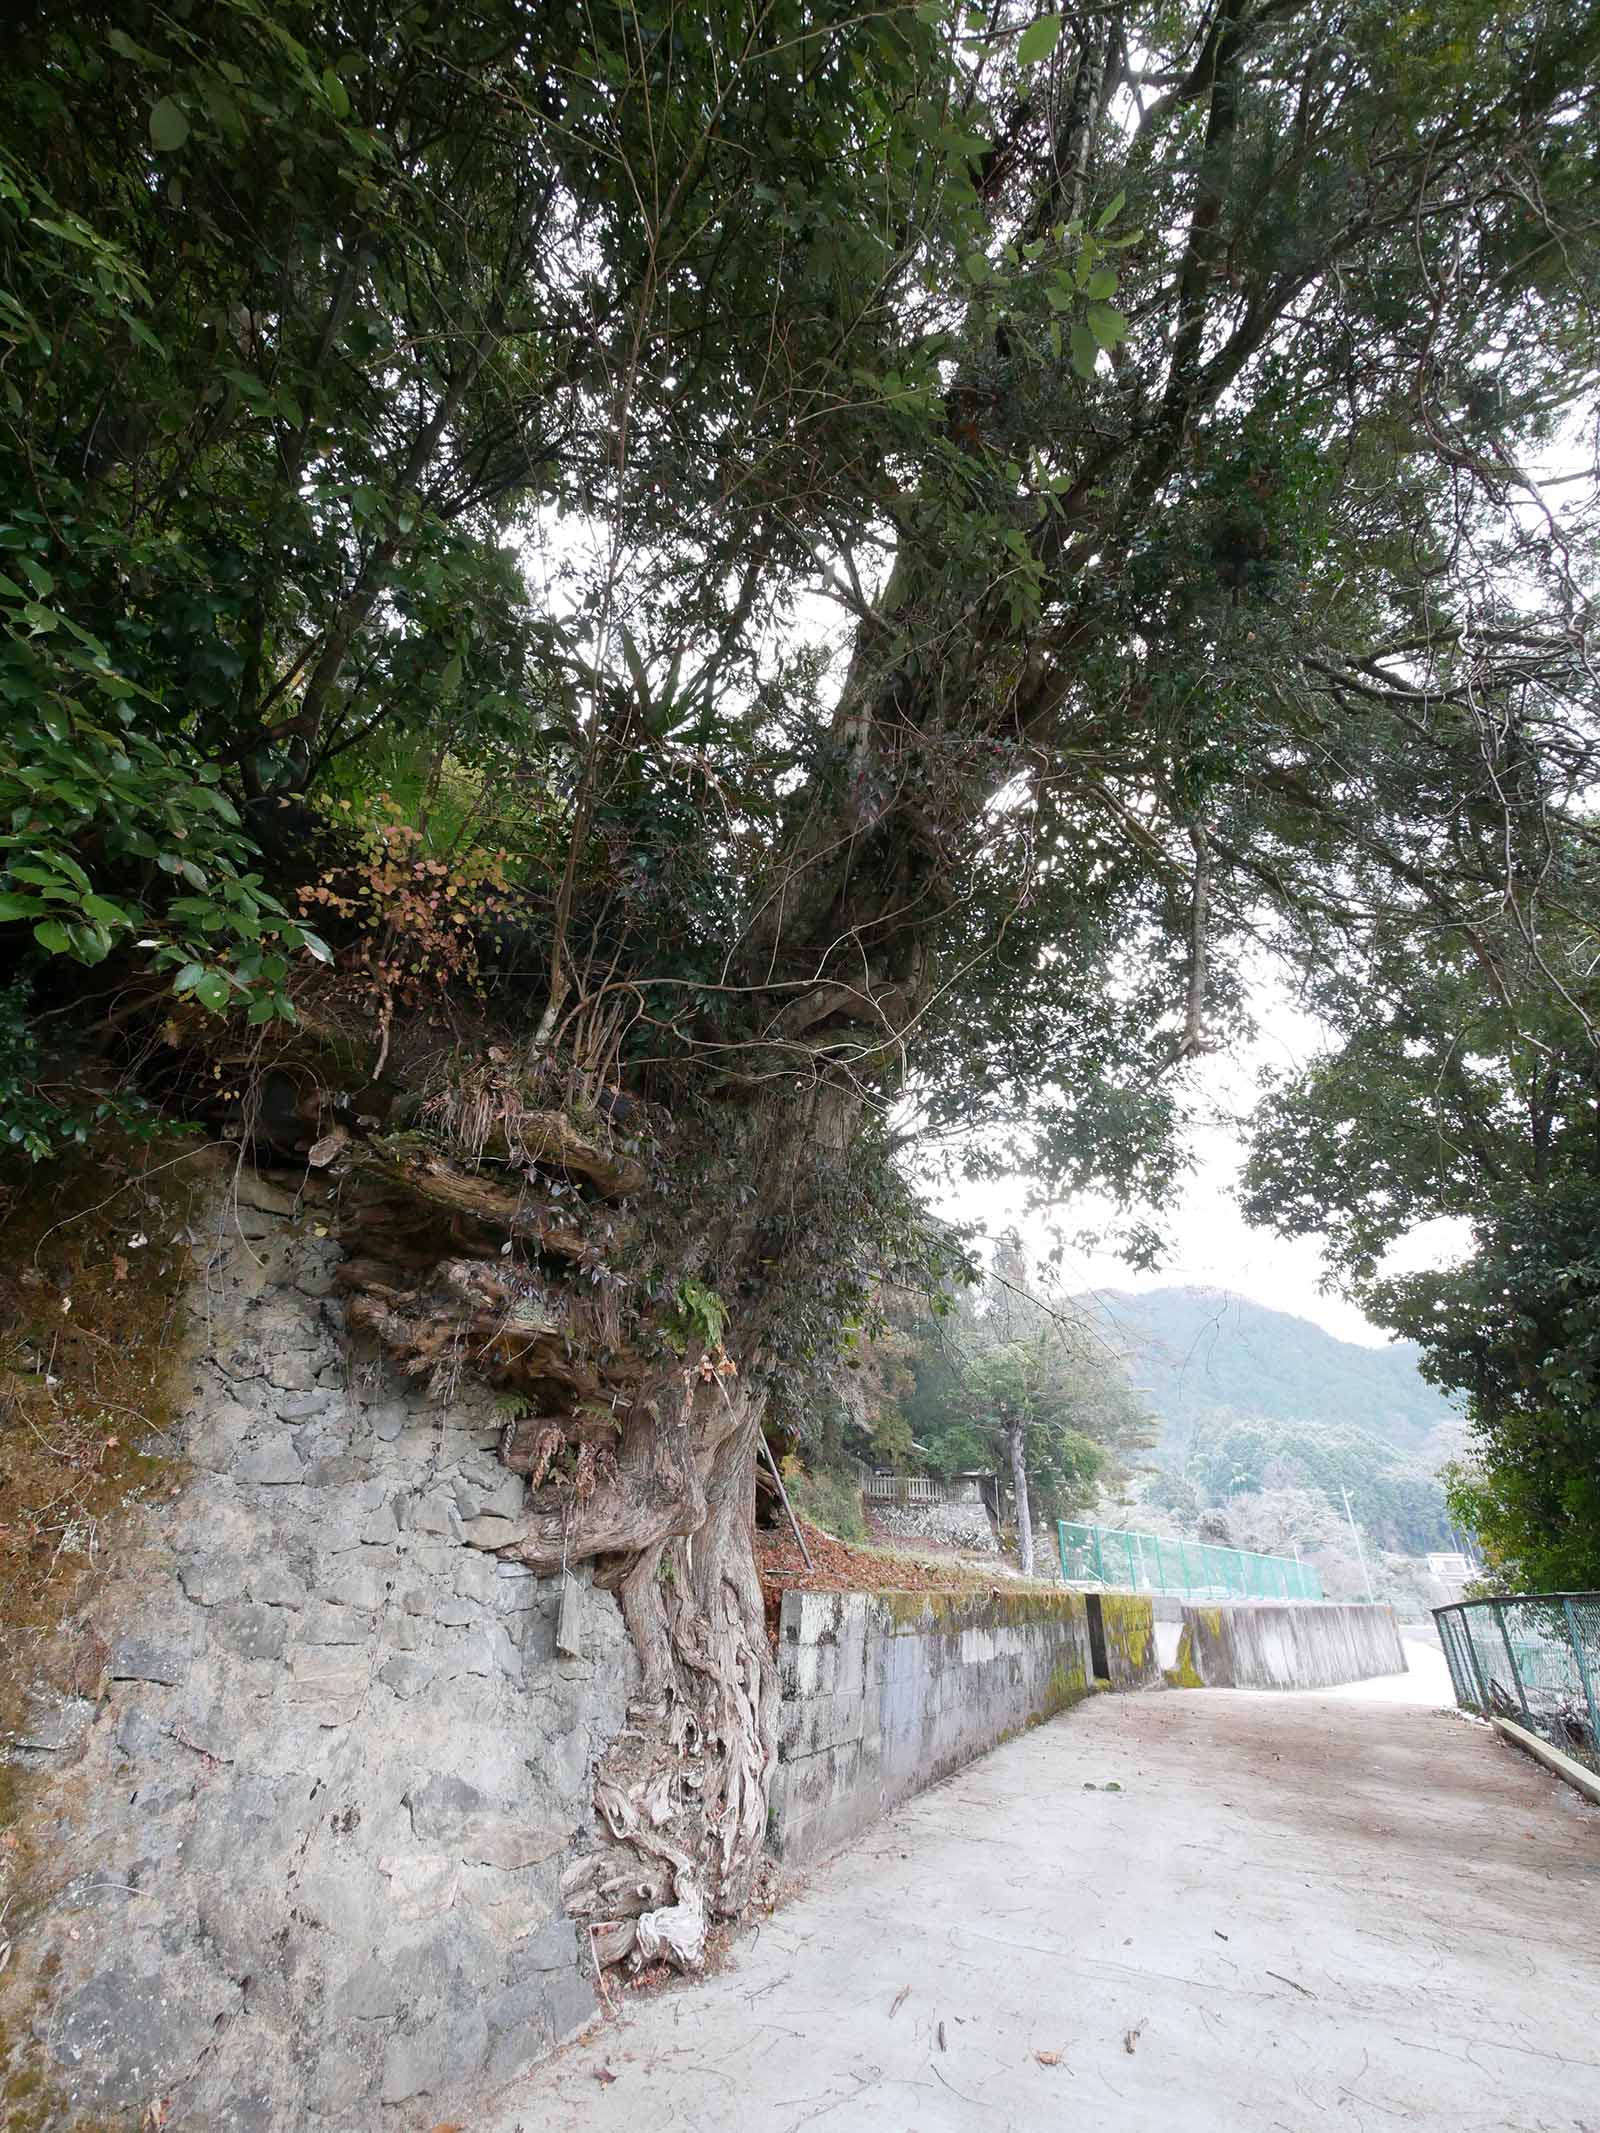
(1465, 1086)
(609, 620)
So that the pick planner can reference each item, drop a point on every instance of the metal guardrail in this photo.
(1534, 1659)
(1195, 1570)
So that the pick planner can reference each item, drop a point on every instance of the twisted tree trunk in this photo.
(637, 1426)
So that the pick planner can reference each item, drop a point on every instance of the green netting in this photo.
(1149, 1562)
(1535, 1660)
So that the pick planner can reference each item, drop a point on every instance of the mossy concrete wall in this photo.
(1127, 1627)
(1308, 1646)
(885, 1693)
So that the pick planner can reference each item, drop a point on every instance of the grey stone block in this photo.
(488, 1532)
(328, 1670)
(129, 2033)
(53, 1725)
(382, 1528)
(352, 1581)
(504, 1652)
(520, 2028)
(275, 1585)
(340, 2084)
(449, 2053)
(519, 1592)
(322, 1624)
(140, 1659)
(301, 1406)
(137, 1733)
(208, 1728)
(473, 1576)
(433, 1513)
(407, 1676)
(374, 1993)
(443, 1808)
(499, 1496)
(275, 1465)
(248, 1630)
(335, 1472)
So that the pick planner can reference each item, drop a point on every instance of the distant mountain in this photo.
(1202, 1356)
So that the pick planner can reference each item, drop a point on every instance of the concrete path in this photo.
(1298, 1911)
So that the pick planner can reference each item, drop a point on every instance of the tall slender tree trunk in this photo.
(1015, 1434)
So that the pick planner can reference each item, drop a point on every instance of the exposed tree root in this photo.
(642, 1467)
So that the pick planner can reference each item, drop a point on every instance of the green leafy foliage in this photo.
(1038, 40)
(475, 412)
(701, 1316)
(1399, 1500)
(40, 1115)
(1461, 1086)
(947, 1386)
(154, 819)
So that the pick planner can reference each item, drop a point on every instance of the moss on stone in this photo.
(1184, 1675)
(1129, 1624)
(96, 1267)
(1067, 1685)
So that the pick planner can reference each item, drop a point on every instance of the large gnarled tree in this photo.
(473, 405)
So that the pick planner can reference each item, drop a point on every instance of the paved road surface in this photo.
(1299, 1911)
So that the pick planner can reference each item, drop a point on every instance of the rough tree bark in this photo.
(1016, 1433)
(637, 1432)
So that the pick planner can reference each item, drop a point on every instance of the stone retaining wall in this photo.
(965, 1525)
(306, 1846)
(885, 1693)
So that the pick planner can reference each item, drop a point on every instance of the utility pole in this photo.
(1356, 1533)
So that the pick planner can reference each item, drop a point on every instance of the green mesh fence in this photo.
(1195, 1570)
(1534, 1659)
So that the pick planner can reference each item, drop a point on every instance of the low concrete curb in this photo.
(1583, 1780)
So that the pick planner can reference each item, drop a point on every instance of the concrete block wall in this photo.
(885, 1693)
(1290, 1647)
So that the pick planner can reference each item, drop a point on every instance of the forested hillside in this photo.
(1202, 1356)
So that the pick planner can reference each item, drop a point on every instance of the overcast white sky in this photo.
(1211, 1246)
